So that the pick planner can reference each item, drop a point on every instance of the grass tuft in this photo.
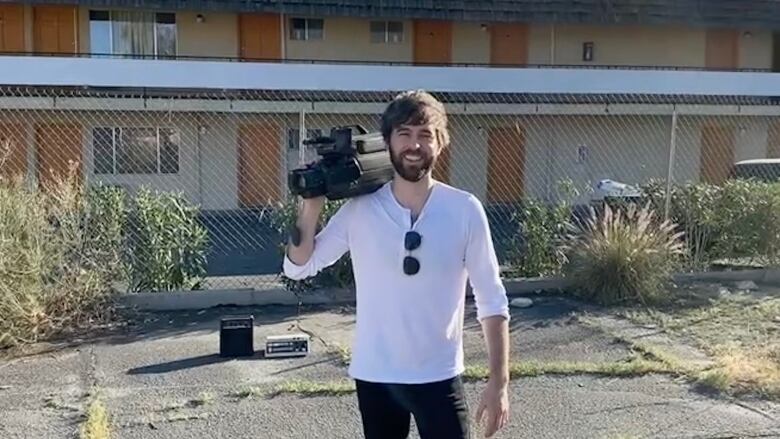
(96, 425)
(741, 372)
(310, 388)
(629, 368)
(204, 398)
(341, 353)
(249, 392)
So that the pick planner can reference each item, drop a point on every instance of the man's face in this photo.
(413, 150)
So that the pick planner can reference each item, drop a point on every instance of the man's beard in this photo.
(412, 171)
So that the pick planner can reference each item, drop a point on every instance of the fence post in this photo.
(301, 136)
(669, 173)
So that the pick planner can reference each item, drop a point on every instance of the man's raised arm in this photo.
(316, 251)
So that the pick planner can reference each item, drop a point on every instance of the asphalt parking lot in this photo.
(162, 378)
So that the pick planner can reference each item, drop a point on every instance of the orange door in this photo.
(259, 164)
(58, 146)
(508, 44)
(773, 140)
(13, 150)
(717, 153)
(260, 36)
(12, 28)
(722, 49)
(54, 29)
(506, 164)
(441, 171)
(432, 42)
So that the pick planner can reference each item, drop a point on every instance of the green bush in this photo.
(735, 220)
(533, 250)
(166, 243)
(106, 228)
(692, 208)
(747, 214)
(338, 275)
(621, 256)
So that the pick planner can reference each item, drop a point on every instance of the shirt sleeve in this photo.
(330, 244)
(482, 266)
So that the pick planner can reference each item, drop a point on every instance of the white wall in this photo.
(469, 160)
(219, 163)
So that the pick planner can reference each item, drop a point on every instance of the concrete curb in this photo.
(202, 299)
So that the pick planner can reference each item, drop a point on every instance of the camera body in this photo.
(352, 162)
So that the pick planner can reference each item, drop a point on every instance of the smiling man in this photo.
(414, 244)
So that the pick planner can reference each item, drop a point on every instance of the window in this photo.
(135, 150)
(387, 32)
(293, 138)
(132, 33)
(306, 28)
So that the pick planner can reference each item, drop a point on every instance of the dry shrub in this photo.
(621, 255)
(59, 254)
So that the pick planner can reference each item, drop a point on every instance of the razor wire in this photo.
(227, 154)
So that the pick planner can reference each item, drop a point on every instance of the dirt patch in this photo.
(738, 329)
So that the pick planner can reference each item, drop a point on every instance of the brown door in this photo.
(13, 150)
(58, 147)
(441, 171)
(508, 44)
(432, 42)
(506, 164)
(54, 29)
(773, 140)
(260, 36)
(717, 152)
(259, 164)
(722, 49)
(12, 28)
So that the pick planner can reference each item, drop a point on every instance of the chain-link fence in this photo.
(225, 156)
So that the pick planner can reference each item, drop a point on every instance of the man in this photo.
(413, 244)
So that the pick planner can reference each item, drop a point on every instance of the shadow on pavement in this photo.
(172, 366)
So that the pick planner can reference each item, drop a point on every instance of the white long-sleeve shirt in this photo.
(410, 327)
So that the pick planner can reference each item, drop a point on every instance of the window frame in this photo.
(116, 134)
(155, 34)
(306, 27)
(386, 31)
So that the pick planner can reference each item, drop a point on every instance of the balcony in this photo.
(370, 62)
(233, 75)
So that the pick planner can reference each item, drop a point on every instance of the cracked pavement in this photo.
(162, 378)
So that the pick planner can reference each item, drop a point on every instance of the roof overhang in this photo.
(710, 13)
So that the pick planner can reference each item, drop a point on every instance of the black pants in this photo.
(439, 409)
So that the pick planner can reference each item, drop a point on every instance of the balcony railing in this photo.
(382, 62)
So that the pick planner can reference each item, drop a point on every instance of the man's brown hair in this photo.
(416, 107)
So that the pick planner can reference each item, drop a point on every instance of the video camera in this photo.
(353, 162)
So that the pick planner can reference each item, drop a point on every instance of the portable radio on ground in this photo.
(289, 345)
(236, 337)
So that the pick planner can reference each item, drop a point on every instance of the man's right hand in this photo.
(309, 211)
(311, 206)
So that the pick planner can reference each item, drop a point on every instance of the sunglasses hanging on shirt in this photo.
(412, 241)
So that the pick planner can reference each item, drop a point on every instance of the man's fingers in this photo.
(492, 423)
(480, 411)
(504, 419)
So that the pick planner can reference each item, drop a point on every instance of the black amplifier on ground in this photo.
(236, 336)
